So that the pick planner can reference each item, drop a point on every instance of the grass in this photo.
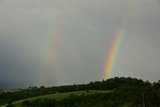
(59, 96)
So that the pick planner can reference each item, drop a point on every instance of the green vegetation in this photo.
(124, 92)
(9, 90)
(59, 96)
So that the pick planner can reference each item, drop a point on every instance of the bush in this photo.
(40, 102)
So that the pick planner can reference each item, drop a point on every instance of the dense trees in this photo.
(40, 102)
(126, 91)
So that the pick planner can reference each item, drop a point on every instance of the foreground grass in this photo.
(59, 96)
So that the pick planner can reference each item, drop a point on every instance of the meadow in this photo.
(59, 96)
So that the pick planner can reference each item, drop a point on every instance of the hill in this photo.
(59, 96)
(125, 92)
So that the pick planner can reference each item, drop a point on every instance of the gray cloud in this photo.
(75, 36)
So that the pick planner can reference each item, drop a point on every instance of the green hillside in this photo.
(124, 92)
(59, 96)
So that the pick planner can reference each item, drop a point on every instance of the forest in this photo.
(114, 92)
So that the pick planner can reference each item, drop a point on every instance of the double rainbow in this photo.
(48, 53)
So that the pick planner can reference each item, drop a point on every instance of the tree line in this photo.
(126, 91)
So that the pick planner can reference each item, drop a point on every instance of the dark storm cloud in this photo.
(83, 31)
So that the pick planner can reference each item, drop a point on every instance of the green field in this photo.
(59, 96)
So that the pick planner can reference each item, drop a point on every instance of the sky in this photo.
(59, 42)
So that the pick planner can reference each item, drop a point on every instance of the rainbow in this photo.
(48, 55)
(113, 54)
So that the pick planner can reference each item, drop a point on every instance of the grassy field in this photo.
(59, 96)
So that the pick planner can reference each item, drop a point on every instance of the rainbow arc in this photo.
(112, 56)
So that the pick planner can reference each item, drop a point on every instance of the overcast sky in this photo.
(57, 42)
